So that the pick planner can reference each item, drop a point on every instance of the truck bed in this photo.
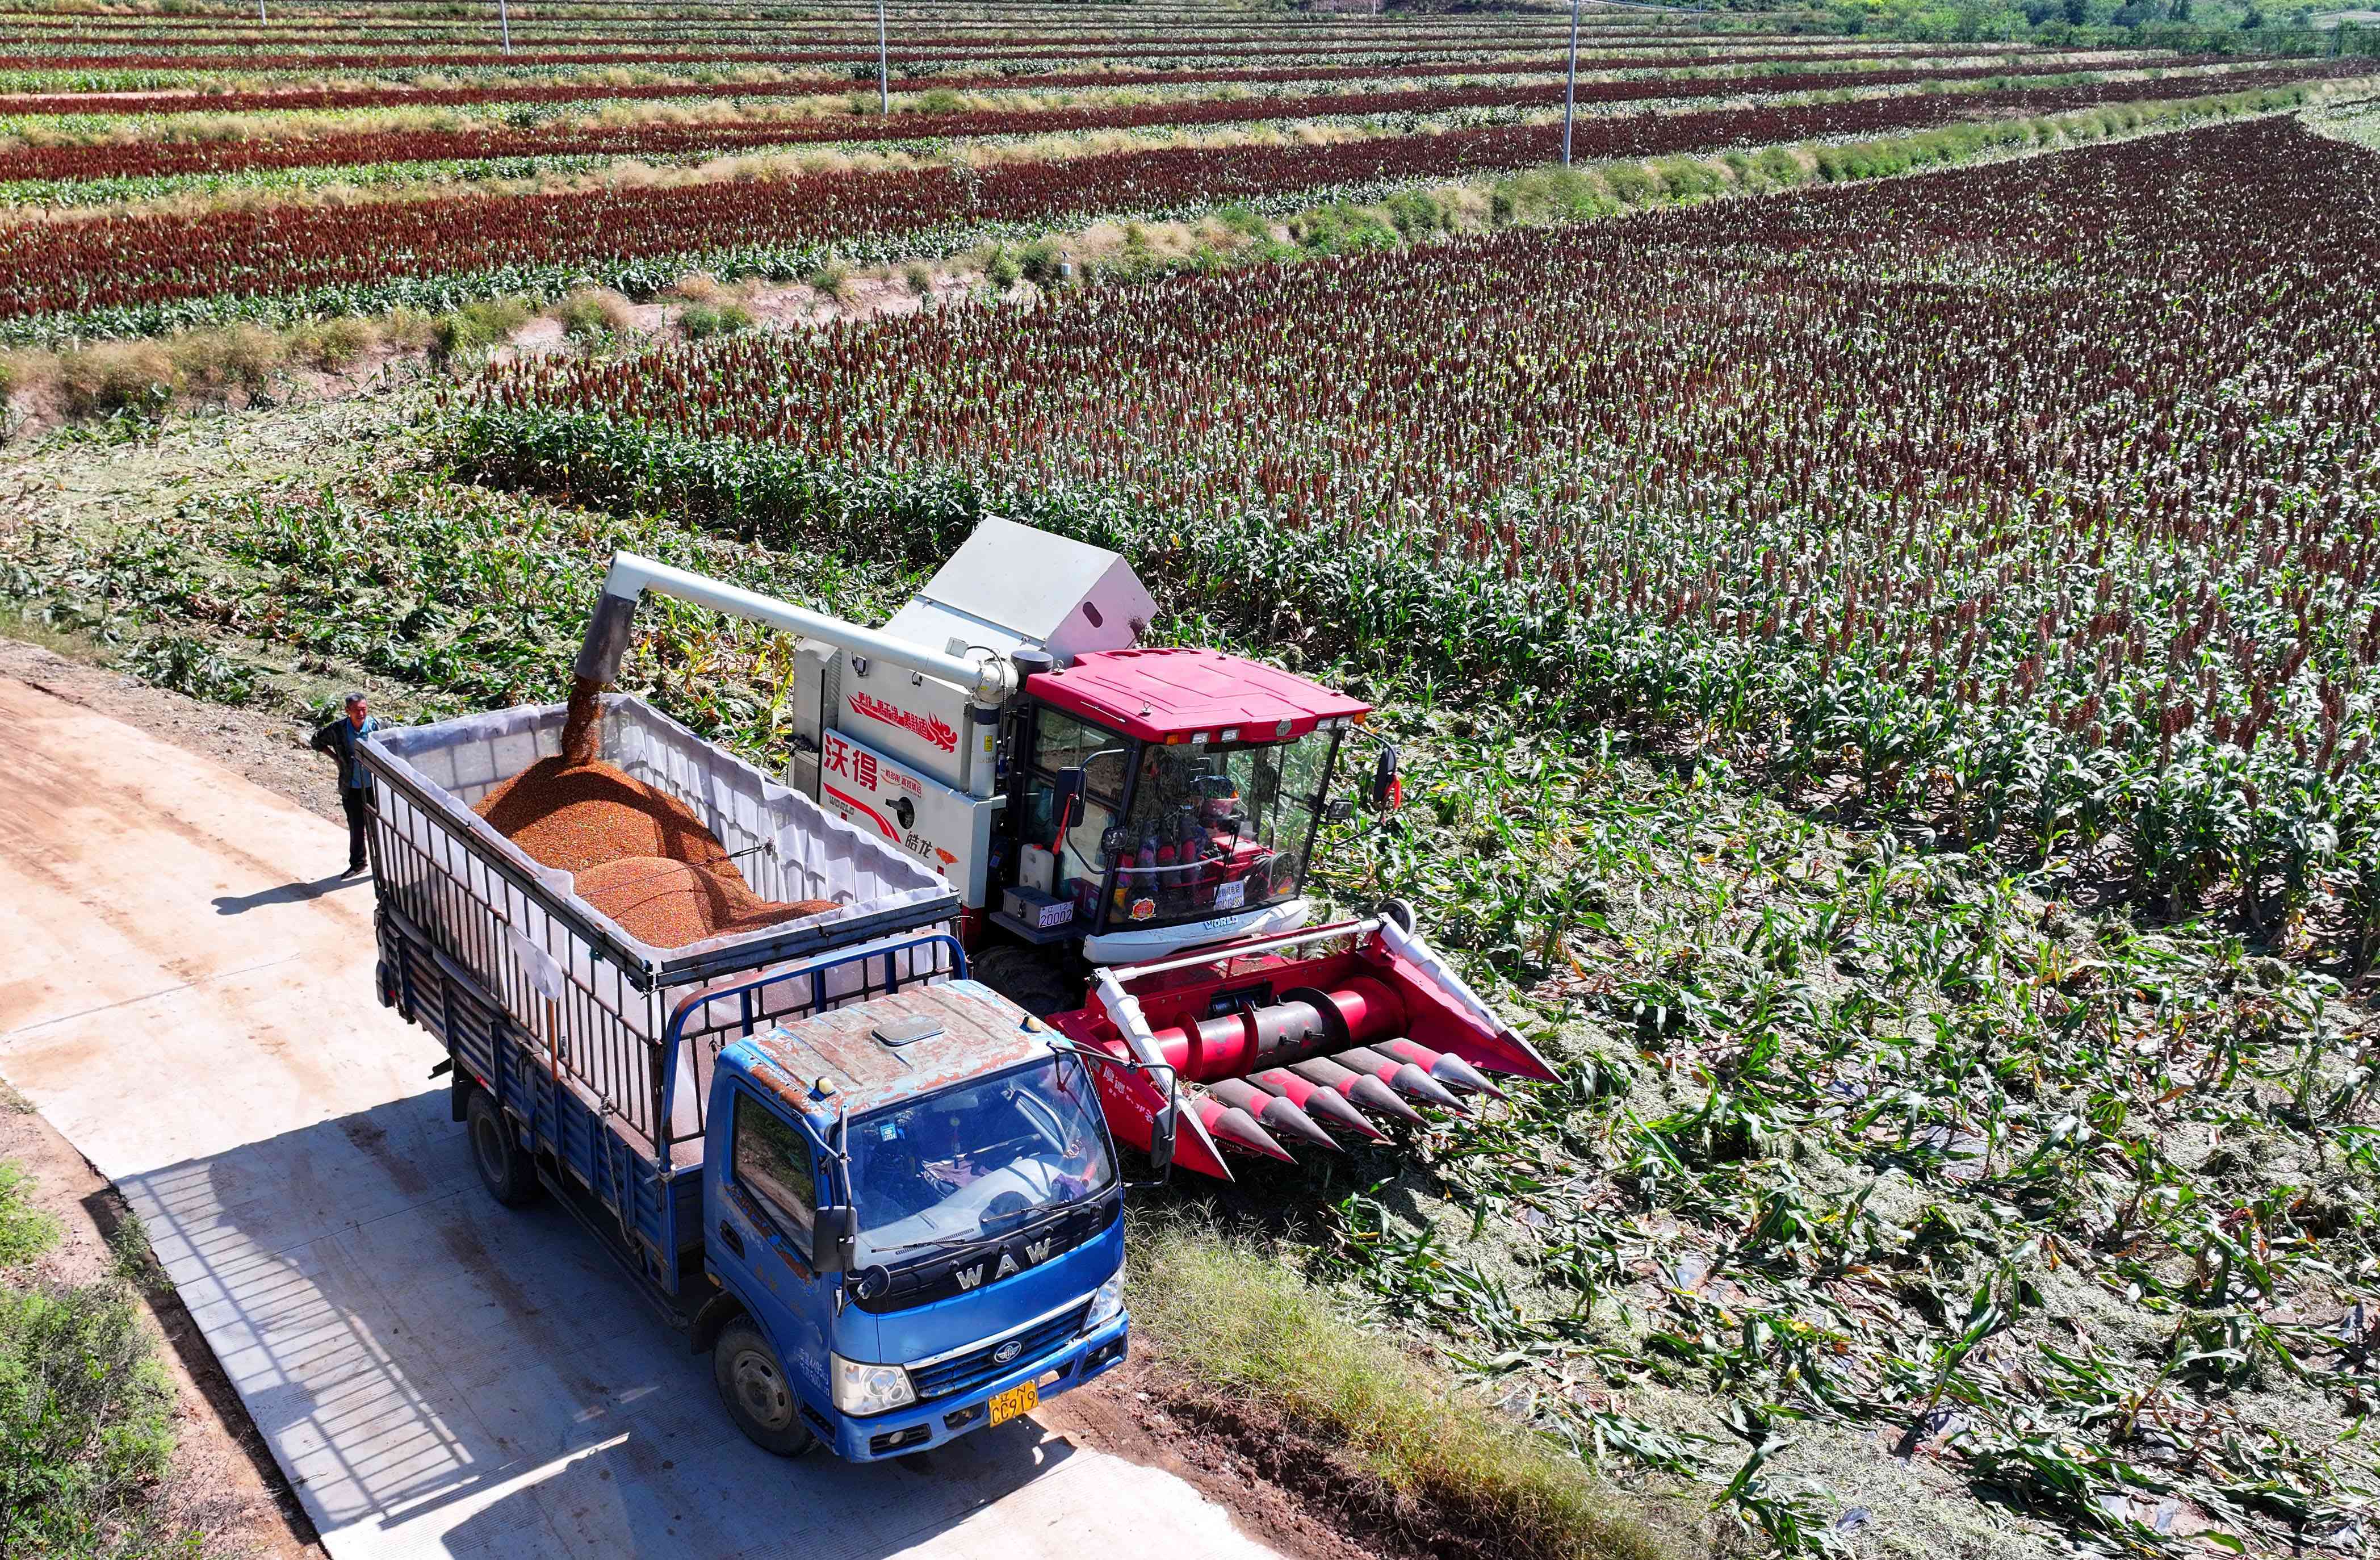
(643, 1198)
(629, 1026)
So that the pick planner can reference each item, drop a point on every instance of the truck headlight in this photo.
(1107, 1303)
(869, 1389)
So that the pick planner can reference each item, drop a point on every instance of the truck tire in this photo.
(753, 1385)
(504, 1169)
(1024, 978)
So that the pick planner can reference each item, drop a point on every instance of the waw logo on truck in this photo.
(1035, 1253)
(931, 728)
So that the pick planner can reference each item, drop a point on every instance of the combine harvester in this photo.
(1128, 829)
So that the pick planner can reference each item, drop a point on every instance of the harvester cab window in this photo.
(1062, 742)
(1217, 828)
(772, 1162)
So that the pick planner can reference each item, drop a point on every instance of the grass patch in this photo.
(476, 327)
(129, 376)
(1237, 1321)
(701, 321)
(595, 315)
(86, 1410)
(25, 1231)
(86, 1428)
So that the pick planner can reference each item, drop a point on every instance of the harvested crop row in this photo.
(312, 97)
(114, 262)
(154, 158)
(395, 60)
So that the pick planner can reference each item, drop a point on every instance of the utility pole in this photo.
(503, 19)
(260, 12)
(883, 66)
(1570, 92)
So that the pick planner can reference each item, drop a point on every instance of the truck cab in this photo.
(915, 1224)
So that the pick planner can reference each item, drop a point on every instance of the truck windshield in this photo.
(979, 1160)
(1217, 828)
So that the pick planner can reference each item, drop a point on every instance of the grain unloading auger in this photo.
(1130, 829)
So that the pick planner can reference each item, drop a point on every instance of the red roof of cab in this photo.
(1156, 693)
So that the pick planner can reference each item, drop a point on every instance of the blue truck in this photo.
(882, 1198)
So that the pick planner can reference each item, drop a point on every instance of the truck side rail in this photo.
(704, 1022)
(447, 895)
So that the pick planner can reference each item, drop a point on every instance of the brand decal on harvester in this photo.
(931, 728)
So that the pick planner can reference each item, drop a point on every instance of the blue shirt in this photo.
(357, 778)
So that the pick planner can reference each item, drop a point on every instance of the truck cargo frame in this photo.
(604, 1006)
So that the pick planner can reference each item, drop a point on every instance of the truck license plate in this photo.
(1015, 1401)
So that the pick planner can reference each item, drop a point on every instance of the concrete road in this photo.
(189, 999)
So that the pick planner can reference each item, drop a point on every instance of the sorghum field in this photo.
(1872, 567)
(171, 172)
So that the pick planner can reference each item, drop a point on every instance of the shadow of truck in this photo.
(438, 1374)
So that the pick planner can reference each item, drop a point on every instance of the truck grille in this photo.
(962, 1371)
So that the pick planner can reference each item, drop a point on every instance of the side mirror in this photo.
(1069, 809)
(1160, 1140)
(1338, 811)
(1388, 793)
(833, 1233)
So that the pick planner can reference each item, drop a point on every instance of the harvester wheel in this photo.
(505, 1170)
(753, 1385)
(1024, 978)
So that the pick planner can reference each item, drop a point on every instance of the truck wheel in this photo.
(758, 1397)
(1024, 978)
(506, 1172)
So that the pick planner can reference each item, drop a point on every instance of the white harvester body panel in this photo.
(948, 830)
(1010, 587)
(913, 757)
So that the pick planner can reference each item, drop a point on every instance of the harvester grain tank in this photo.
(1127, 830)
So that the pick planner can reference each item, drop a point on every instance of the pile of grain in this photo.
(639, 856)
(576, 817)
(669, 904)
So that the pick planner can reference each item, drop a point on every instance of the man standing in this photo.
(338, 740)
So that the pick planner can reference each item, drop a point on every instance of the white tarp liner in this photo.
(804, 852)
(605, 1020)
